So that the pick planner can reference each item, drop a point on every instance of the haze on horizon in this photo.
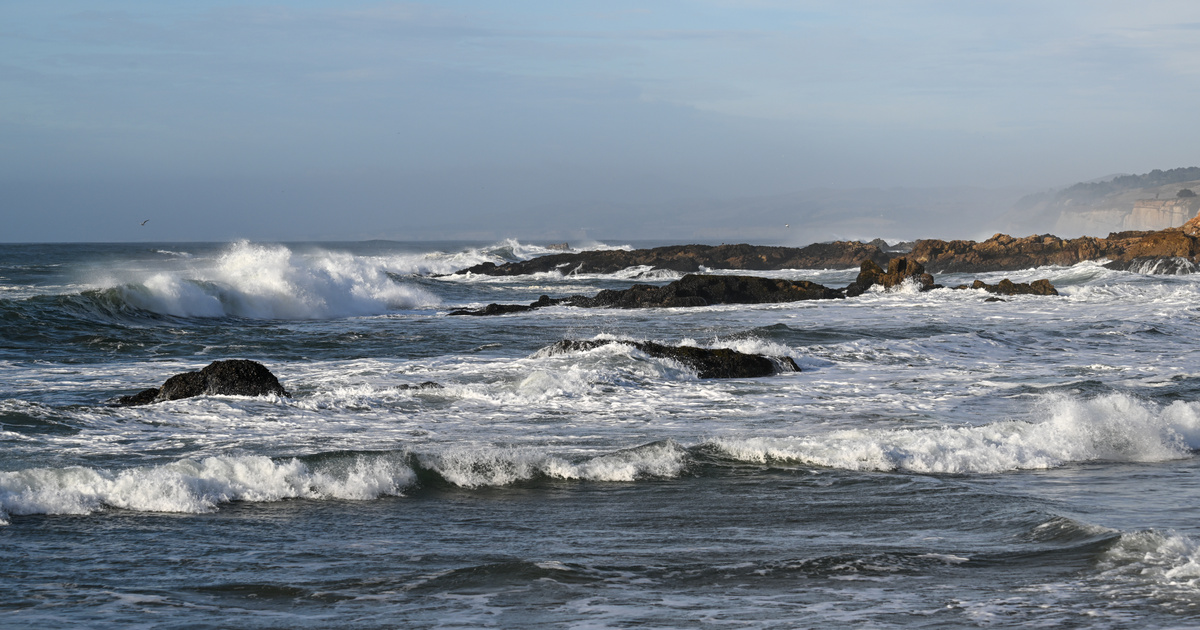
(703, 120)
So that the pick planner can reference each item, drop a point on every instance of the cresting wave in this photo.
(267, 282)
(1115, 427)
(191, 486)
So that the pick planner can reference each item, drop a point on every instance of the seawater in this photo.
(940, 461)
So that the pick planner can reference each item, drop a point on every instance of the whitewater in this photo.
(939, 460)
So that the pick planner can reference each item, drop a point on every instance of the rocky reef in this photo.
(1172, 250)
(234, 377)
(691, 258)
(706, 290)
(708, 362)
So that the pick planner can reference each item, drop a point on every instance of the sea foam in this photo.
(270, 282)
(196, 486)
(1116, 427)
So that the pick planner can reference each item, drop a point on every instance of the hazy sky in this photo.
(347, 119)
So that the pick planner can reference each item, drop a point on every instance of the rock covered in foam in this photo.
(234, 377)
(708, 362)
(899, 271)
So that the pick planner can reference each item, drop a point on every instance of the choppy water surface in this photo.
(939, 462)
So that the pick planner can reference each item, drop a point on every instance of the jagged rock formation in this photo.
(235, 377)
(690, 258)
(708, 362)
(899, 271)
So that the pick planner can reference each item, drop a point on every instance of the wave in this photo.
(266, 282)
(198, 486)
(1115, 427)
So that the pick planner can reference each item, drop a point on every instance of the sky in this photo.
(532, 119)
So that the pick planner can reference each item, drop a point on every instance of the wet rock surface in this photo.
(690, 290)
(234, 377)
(708, 362)
(691, 258)
(706, 290)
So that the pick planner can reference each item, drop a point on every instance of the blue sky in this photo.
(320, 120)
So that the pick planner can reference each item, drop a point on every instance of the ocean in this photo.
(938, 462)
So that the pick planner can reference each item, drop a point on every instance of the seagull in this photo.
(787, 225)
(144, 222)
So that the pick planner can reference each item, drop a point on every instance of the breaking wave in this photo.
(267, 282)
(1115, 427)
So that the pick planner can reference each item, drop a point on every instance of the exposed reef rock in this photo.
(690, 259)
(706, 290)
(235, 377)
(690, 290)
(703, 290)
(899, 271)
(1008, 287)
(708, 362)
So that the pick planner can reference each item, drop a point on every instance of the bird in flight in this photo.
(144, 222)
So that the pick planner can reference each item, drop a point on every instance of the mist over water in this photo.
(937, 460)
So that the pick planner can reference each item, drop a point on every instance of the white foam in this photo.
(1163, 564)
(195, 486)
(269, 282)
(477, 467)
(1115, 427)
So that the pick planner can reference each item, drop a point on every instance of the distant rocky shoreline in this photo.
(1172, 250)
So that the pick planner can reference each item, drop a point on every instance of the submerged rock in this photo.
(708, 362)
(234, 377)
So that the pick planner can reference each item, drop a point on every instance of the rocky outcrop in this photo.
(1008, 287)
(691, 258)
(900, 270)
(704, 290)
(235, 377)
(708, 362)
(690, 290)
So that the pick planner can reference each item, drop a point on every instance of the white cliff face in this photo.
(1155, 214)
(1139, 209)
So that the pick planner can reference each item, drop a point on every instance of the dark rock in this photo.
(235, 377)
(705, 290)
(708, 363)
(899, 271)
(1008, 287)
(690, 290)
(144, 397)
(691, 258)
(425, 385)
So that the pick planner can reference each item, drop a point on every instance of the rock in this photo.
(425, 385)
(899, 271)
(144, 397)
(708, 362)
(705, 290)
(234, 377)
(690, 290)
(691, 258)
(1008, 287)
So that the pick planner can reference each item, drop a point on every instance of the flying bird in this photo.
(144, 222)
